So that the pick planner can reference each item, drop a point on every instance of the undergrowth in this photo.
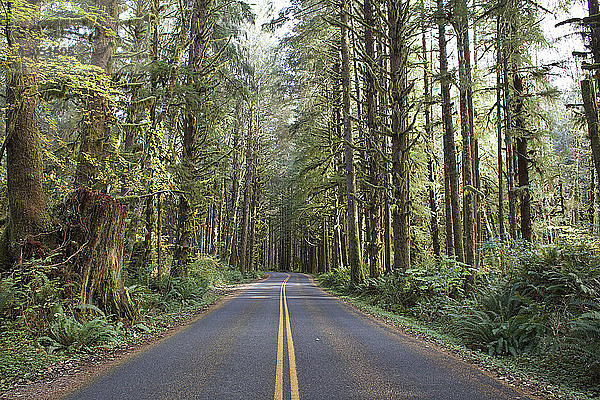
(538, 306)
(42, 324)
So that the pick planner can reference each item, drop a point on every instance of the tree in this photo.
(354, 252)
(451, 175)
(27, 212)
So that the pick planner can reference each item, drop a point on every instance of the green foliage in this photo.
(500, 323)
(69, 332)
(338, 278)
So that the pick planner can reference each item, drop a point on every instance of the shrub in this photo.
(338, 278)
(500, 323)
(67, 333)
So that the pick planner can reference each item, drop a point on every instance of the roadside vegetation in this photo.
(534, 309)
(43, 325)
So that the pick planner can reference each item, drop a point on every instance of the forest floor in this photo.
(50, 376)
(523, 373)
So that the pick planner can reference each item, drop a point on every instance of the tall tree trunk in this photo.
(152, 134)
(510, 170)
(449, 146)
(199, 35)
(590, 105)
(233, 204)
(247, 194)
(464, 72)
(397, 12)
(95, 125)
(433, 221)
(27, 212)
(354, 253)
(499, 127)
(373, 140)
(522, 160)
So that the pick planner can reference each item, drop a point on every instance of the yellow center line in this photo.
(279, 370)
(291, 354)
(290, 345)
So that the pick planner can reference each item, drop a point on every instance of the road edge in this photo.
(85, 371)
(529, 386)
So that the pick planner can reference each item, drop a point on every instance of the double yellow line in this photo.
(283, 308)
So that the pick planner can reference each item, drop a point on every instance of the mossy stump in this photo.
(98, 226)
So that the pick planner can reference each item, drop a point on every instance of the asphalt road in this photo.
(284, 338)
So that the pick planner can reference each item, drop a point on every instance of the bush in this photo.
(67, 333)
(499, 323)
(338, 278)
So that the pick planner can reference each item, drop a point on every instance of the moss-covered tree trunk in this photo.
(27, 214)
(98, 226)
(95, 125)
(199, 36)
(397, 12)
(354, 252)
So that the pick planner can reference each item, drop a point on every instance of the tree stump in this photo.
(98, 227)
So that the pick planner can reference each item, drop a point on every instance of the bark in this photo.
(374, 142)
(433, 220)
(233, 204)
(27, 212)
(464, 72)
(199, 35)
(159, 263)
(591, 114)
(98, 228)
(449, 146)
(247, 198)
(499, 128)
(522, 161)
(398, 12)
(510, 170)
(95, 124)
(594, 10)
(354, 252)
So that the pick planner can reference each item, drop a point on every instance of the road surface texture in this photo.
(284, 338)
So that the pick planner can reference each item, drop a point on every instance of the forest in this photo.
(436, 159)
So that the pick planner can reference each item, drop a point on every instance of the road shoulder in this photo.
(504, 371)
(65, 377)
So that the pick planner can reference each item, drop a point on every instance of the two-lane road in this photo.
(284, 338)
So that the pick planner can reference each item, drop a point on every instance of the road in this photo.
(284, 338)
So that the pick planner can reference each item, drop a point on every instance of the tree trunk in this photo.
(435, 240)
(449, 146)
(199, 35)
(354, 253)
(96, 130)
(374, 142)
(400, 146)
(99, 231)
(522, 160)
(27, 212)
(591, 114)
(510, 169)
(247, 194)
(499, 127)
(464, 72)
